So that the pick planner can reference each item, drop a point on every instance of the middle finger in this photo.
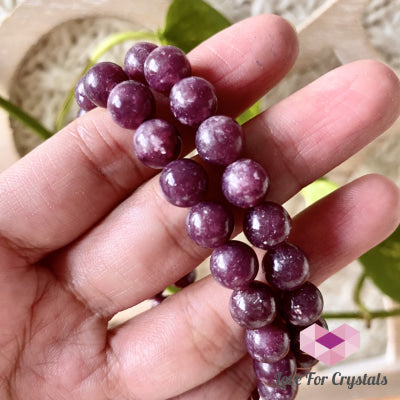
(142, 246)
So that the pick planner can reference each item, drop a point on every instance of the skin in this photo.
(85, 232)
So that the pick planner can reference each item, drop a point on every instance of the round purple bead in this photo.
(192, 100)
(101, 79)
(165, 66)
(268, 344)
(305, 361)
(220, 140)
(135, 58)
(183, 182)
(209, 224)
(303, 306)
(81, 98)
(267, 225)
(276, 392)
(285, 267)
(130, 103)
(80, 113)
(158, 299)
(234, 265)
(156, 143)
(266, 372)
(253, 307)
(245, 183)
(186, 280)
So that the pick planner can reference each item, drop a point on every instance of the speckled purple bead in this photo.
(268, 344)
(81, 98)
(234, 265)
(286, 267)
(183, 182)
(165, 66)
(186, 280)
(266, 372)
(156, 143)
(101, 79)
(253, 307)
(267, 225)
(220, 140)
(130, 103)
(209, 224)
(303, 306)
(305, 361)
(192, 100)
(245, 183)
(80, 113)
(276, 392)
(135, 58)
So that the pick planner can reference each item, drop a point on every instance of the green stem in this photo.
(29, 121)
(359, 315)
(363, 312)
(362, 308)
(101, 49)
(172, 289)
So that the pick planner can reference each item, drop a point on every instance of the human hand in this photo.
(85, 232)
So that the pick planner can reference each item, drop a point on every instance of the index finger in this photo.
(61, 189)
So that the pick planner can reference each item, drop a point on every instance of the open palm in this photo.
(85, 232)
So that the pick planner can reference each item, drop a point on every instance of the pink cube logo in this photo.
(330, 347)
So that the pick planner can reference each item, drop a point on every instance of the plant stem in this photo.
(101, 49)
(362, 308)
(358, 315)
(172, 289)
(363, 312)
(29, 121)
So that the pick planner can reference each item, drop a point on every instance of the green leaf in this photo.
(28, 120)
(190, 22)
(382, 265)
(251, 112)
(317, 190)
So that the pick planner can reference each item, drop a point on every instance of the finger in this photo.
(317, 128)
(191, 338)
(126, 250)
(62, 188)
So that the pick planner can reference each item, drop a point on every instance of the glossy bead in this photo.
(253, 307)
(130, 103)
(209, 224)
(245, 183)
(135, 58)
(101, 79)
(183, 182)
(186, 280)
(285, 267)
(234, 265)
(192, 100)
(289, 392)
(303, 306)
(266, 372)
(268, 344)
(267, 225)
(81, 98)
(165, 66)
(156, 143)
(305, 361)
(220, 140)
